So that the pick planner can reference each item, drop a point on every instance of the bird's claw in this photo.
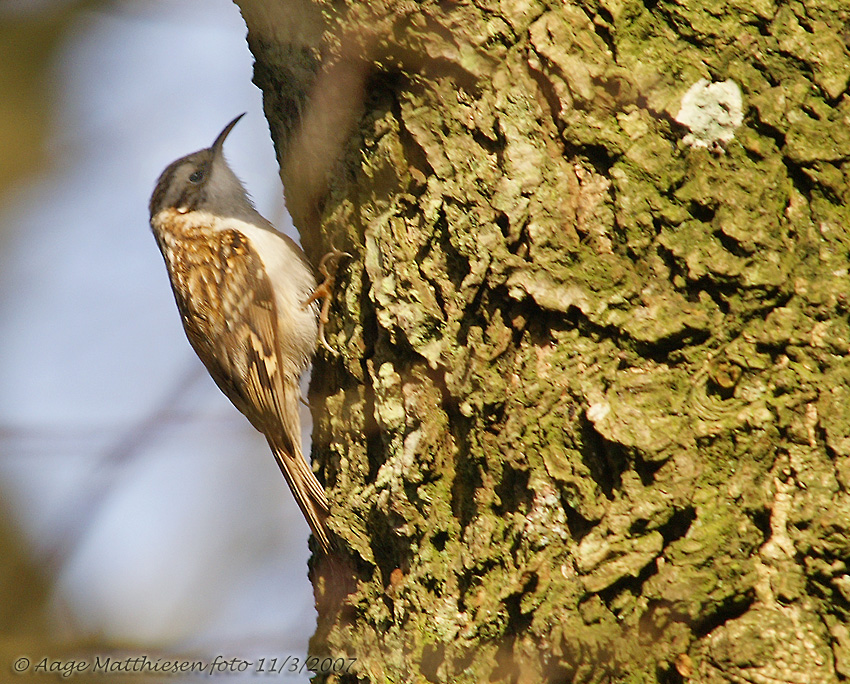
(324, 291)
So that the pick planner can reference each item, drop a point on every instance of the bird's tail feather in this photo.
(308, 492)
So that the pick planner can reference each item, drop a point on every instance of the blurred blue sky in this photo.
(160, 513)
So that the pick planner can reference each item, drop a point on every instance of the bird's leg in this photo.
(325, 290)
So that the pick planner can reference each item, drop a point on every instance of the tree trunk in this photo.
(588, 417)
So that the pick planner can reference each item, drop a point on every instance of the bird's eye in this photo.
(196, 176)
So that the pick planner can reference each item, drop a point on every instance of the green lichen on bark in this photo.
(587, 421)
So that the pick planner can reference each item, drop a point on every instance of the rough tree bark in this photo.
(589, 417)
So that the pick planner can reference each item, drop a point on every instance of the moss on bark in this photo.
(587, 421)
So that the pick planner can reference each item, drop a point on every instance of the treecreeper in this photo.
(247, 297)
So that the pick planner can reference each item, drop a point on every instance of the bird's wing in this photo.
(241, 349)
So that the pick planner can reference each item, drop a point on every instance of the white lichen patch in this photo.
(712, 112)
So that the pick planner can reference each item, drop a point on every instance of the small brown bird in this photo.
(247, 298)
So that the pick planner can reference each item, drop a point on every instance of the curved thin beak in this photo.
(219, 141)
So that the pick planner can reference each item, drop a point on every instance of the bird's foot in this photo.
(327, 267)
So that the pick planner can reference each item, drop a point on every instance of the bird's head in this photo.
(202, 181)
